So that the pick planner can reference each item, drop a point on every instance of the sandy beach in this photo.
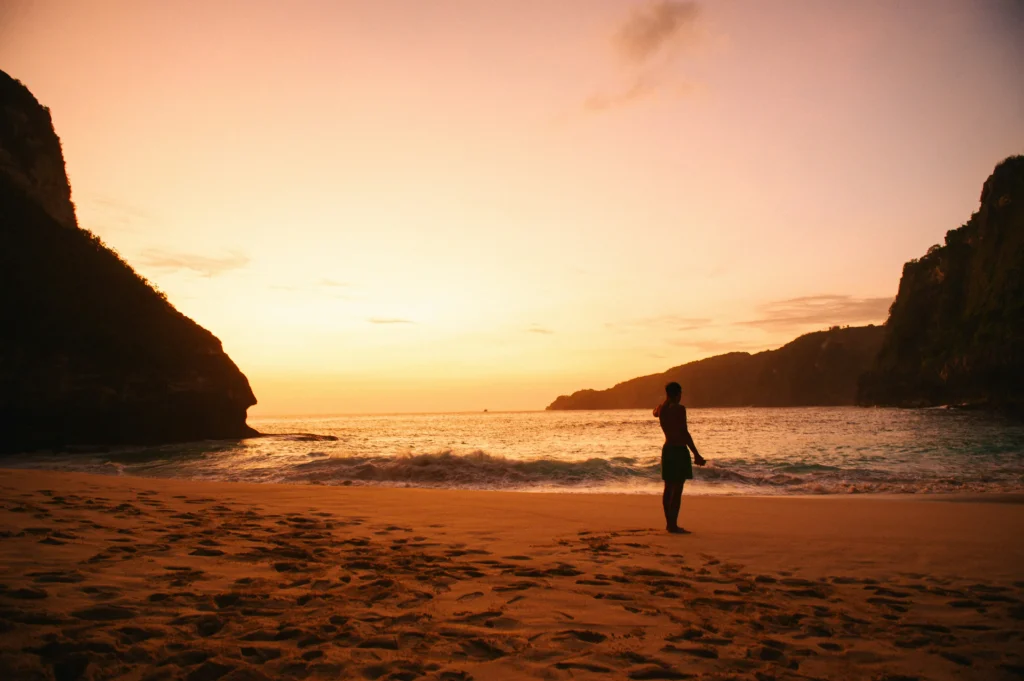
(133, 578)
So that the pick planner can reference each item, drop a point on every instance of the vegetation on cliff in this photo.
(955, 332)
(817, 369)
(90, 353)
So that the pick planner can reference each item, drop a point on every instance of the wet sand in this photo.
(132, 578)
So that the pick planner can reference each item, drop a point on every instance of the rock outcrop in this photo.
(955, 333)
(90, 353)
(817, 369)
(30, 154)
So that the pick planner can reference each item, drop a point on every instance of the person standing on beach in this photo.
(676, 467)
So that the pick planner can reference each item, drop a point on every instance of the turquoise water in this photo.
(751, 451)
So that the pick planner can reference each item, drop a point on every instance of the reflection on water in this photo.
(752, 451)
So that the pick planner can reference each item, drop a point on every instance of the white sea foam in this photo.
(751, 451)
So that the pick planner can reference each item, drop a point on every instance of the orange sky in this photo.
(431, 206)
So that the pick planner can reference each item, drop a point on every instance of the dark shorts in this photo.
(675, 463)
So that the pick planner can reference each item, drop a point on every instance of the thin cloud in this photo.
(822, 310)
(335, 289)
(539, 329)
(204, 265)
(602, 101)
(648, 42)
(664, 323)
(389, 320)
(715, 345)
(339, 290)
(123, 207)
(656, 28)
(105, 214)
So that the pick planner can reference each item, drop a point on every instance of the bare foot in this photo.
(677, 530)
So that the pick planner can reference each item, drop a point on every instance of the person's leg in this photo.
(677, 502)
(670, 501)
(666, 505)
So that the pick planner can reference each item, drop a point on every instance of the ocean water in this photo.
(750, 451)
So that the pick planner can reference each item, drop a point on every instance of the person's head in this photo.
(673, 391)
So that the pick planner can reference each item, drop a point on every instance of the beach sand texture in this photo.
(132, 578)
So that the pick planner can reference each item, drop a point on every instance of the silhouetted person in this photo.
(676, 468)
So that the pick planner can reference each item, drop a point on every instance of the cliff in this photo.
(817, 369)
(30, 153)
(90, 353)
(955, 332)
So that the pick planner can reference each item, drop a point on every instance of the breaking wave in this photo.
(475, 470)
(480, 470)
(750, 451)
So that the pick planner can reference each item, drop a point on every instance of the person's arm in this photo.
(697, 458)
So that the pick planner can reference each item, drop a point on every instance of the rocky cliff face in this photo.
(30, 153)
(90, 353)
(817, 369)
(955, 333)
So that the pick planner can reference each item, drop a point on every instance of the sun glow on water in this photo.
(751, 451)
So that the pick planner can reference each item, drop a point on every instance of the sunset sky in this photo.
(452, 205)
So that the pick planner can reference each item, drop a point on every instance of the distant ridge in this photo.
(816, 369)
(955, 335)
(90, 353)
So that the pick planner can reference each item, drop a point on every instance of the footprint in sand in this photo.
(260, 655)
(693, 651)
(206, 552)
(646, 673)
(105, 613)
(584, 635)
(379, 643)
(479, 649)
(131, 635)
(68, 577)
(100, 592)
(575, 665)
(26, 593)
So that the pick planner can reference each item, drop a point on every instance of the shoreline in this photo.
(968, 496)
(168, 579)
(715, 490)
